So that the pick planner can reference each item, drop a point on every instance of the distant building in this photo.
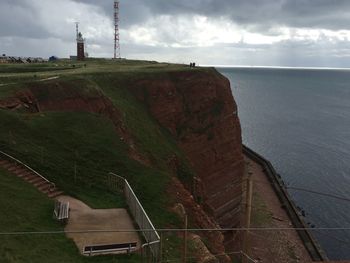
(12, 59)
(3, 59)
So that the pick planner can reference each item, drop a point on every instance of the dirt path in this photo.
(271, 246)
(40, 80)
(82, 218)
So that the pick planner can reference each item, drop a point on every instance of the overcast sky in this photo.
(300, 33)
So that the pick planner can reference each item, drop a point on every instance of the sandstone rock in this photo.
(198, 109)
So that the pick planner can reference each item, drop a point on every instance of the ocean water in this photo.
(299, 119)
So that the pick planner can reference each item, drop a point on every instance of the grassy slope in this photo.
(29, 210)
(52, 142)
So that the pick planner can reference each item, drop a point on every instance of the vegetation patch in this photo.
(28, 210)
(76, 150)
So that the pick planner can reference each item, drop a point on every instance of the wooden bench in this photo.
(111, 248)
(61, 211)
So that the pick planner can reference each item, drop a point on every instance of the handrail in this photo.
(52, 187)
(150, 243)
(147, 245)
(143, 210)
(138, 202)
(155, 238)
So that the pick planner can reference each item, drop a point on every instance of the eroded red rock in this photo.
(199, 111)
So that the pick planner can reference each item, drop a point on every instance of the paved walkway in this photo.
(272, 246)
(82, 217)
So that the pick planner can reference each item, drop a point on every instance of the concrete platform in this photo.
(82, 218)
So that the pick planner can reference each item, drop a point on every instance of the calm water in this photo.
(300, 121)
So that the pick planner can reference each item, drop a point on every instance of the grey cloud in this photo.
(253, 14)
(19, 18)
(22, 32)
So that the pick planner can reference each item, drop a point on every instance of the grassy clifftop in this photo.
(77, 146)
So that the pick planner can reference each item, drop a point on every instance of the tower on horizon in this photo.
(116, 30)
(80, 47)
(80, 43)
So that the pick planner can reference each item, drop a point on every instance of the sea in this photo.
(299, 119)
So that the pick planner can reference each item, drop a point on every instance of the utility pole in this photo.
(161, 247)
(248, 211)
(184, 253)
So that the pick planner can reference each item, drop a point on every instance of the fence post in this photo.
(75, 172)
(248, 216)
(149, 254)
(161, 248)
(184, 252)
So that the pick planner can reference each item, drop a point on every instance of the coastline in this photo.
(282, 213)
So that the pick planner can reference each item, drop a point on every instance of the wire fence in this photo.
(140, 216)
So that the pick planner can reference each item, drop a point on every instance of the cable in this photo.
(318, 193)
(307, 190)
(171, 230)
(98, 171)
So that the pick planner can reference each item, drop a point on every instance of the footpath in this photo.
(281, 246)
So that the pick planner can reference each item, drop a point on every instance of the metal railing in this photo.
(140, 216)
(52, 185)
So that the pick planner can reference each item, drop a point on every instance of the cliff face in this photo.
(199, 111)
(196, 107)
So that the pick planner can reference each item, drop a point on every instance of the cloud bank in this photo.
(233, 32)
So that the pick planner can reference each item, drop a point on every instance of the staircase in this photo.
(23, 171)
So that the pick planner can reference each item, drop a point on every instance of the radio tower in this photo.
(116, 30)
(77, 29)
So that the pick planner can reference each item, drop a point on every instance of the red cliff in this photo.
(198, 109)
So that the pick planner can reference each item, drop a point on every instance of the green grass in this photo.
(10, 73)
(26, 209)
(261, 216)
(54, 143)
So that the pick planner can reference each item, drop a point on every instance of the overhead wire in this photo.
(87, 231)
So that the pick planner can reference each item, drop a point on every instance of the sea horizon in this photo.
(274, 67)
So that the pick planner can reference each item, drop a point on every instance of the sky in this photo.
(291, 33)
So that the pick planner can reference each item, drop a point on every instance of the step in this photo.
(34, 180)
(27, 175)
(8, 165)
(13, 168)
(55, 193)
(3, 162)
(39, 183)
(20, 170)
(45, 187)
(30, 177)
(24, 174)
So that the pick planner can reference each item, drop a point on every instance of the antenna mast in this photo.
(116, 30)
(77, 29)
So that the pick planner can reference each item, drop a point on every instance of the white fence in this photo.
(151, 236)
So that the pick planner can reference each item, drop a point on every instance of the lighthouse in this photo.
(80, 47)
